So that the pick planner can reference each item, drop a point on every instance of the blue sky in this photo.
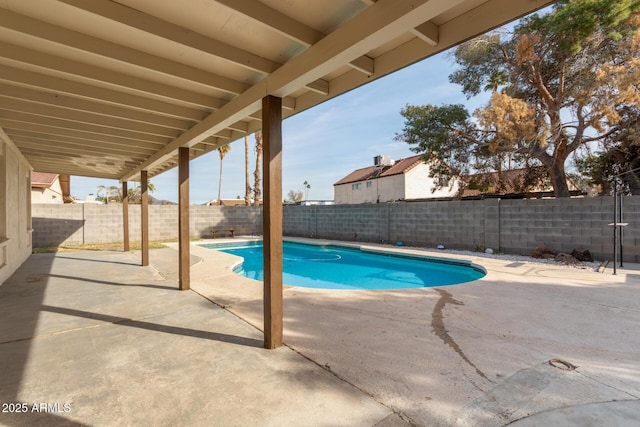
(323, 144)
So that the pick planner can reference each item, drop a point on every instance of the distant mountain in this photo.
(154, 201)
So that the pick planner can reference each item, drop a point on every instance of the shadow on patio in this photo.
(470, 354)
(94, 339)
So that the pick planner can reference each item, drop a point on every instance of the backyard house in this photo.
(387, 180)
(45, 188)
(409, 180)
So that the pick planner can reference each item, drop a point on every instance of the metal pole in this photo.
(620, 227)
(615, 207)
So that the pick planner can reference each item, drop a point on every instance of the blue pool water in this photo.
(334, 267)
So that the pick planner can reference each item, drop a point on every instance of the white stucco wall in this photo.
(383, 189)
(15, 208)
(414, 184)
(419, 185)
(343, 194)
(52, 194)
(391, 188)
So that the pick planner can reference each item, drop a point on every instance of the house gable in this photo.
(406, 179)
(45, 188)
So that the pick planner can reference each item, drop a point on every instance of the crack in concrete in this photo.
(560, 408)
(437, 325)
(607, 385)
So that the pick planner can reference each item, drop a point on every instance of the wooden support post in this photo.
(184, 264)
(272, 220)
(125, 216)
(144, 217)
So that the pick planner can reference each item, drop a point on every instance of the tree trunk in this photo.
(247, 192)
(555, 168)
(220, 183)
(558, 179)
(258, 172)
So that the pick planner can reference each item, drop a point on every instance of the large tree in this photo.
(620, 155)
(294, 196)
(558, 82)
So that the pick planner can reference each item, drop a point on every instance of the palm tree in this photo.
(115, 193)
(102, 188)
(135, 194)
(307, 186)
(258, 172)
(247, 192)
(111, 192)
(222, 151)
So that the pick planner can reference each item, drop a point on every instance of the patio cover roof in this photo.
(110, 88)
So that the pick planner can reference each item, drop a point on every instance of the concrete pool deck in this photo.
(122, 346)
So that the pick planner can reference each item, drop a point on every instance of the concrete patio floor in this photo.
(101, 341)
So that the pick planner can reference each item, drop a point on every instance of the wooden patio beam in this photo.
(184, 265)
(272, 220)
(125, 216)
(144, 216)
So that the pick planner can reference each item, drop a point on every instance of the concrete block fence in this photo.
(85, 224)
(510, 226)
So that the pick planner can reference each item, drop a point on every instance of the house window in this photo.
(369, 184)
(356, 186)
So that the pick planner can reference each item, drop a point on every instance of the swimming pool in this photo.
(337, 267)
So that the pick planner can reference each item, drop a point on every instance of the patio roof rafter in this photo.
(368, 30)
(271, 18)
(52, 133)
(26, 118)
(53, 34)
(79, 104)
(134, 69)
(158, 27)
(28, 143)
(105, 77)
(102, 95)
(20, 106)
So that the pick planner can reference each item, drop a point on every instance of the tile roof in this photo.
(373, 172)
(509, 182)
(42, 180)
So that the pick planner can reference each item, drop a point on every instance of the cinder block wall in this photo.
(102, 223)
(245, 220)
(84, 224)
(511, 226)
(454, 224)
(565, 224)
(55, 224)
